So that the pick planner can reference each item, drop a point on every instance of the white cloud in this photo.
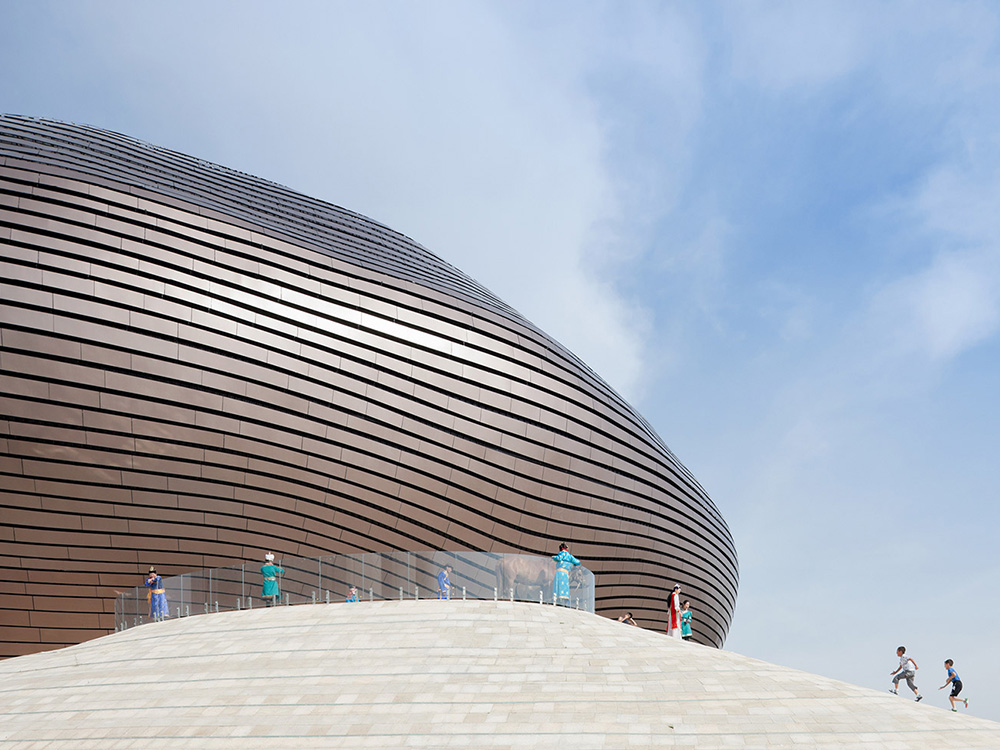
(453, 123)
(945, 309)
(953, 302)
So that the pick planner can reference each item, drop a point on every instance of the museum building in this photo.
(198, 365)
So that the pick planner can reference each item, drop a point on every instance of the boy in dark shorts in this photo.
(956, 685)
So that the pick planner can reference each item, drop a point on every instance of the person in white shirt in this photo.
(905, 672)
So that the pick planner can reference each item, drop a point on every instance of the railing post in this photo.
(288, 598)
(327, 597)
(314, 597)
(494, 593)
(416, 592)
(512, 593)
(463, 593)
(371, 594)
(400, 593)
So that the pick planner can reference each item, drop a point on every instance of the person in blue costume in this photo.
(157, 595)
(444, 583)
(352, 595)
(560, 583)
(686, 616)
(271, 593)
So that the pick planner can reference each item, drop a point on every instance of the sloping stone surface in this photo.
(441, 674)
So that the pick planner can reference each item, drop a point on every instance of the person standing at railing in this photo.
(270, 572)
(444, 583)
(157, 595)
(352, 595)
(560, 583)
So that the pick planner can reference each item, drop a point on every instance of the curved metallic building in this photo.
(198, 364)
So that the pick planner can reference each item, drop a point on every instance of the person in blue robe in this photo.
(444, 583)
(271, 592)
(560, 583)
(157, 595)
(352, 595)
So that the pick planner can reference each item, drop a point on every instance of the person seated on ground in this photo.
(627, 619)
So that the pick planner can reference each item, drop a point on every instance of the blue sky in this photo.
(773, 227)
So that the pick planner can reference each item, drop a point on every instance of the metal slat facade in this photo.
(198, 365)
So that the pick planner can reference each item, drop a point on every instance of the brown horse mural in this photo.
(528, 575)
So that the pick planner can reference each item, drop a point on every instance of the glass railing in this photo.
(376, 576)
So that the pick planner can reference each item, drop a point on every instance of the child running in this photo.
(956, 685)
(905, 673)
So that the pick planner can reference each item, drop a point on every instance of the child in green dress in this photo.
(686, 617)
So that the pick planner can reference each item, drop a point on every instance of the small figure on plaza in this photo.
(956, 685)
(444, 583)
(157, 595)
(271, 592)
(674, 612)
(627, 619)
(686, 616)
(560, 583)
(352, 595)
(906, 672)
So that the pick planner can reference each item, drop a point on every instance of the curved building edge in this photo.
(191, 377)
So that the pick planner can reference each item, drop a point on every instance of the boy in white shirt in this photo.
(905, 673)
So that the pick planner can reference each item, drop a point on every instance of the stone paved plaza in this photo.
(427, 674)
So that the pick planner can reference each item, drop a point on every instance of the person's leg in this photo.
(956, 688)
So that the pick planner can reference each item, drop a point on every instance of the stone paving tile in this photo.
(440, 674)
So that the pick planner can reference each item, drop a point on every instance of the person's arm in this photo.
(915, 667)
(895, 670)
(950, 678)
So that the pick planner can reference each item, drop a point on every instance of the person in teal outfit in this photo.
(560, 583)
(270, 572)
(686, 616)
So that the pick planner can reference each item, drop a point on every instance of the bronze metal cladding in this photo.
(198, 365)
